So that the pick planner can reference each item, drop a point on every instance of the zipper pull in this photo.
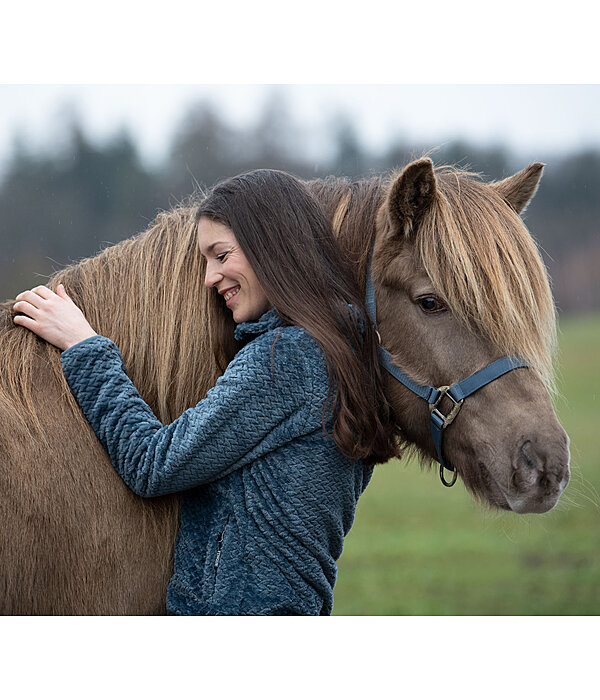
(219, 548)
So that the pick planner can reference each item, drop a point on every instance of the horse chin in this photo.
(520, 503)
(489, 489)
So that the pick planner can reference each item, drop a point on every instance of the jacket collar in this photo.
(267, 322)
(270, 320)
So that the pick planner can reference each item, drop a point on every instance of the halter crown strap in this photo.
(457, 393)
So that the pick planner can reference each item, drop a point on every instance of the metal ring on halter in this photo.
(454, 477)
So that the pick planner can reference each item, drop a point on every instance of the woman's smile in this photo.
(230, 293)
(230, 273)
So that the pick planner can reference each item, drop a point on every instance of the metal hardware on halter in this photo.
(433, 407)
(456, 393)
(436, 416)
(443, 478)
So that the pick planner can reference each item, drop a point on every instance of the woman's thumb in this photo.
(60, 290)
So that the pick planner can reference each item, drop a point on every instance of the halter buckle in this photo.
(433, 407)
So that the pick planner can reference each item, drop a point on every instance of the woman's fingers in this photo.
(38, 295)
(43, 291)
(62, 292)
(54, 317)
(24, 307)
(34, 297)
(29, 296)
(26, 322)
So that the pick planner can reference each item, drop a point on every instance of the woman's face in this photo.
(230, 273)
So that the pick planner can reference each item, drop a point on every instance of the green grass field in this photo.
(418, 548)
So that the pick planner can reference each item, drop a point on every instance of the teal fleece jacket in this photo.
(266, 497)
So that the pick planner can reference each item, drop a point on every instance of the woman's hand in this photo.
(53, 317)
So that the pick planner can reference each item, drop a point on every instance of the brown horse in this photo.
(459, 283)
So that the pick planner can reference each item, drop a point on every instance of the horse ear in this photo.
(411, 194)
(519, 189)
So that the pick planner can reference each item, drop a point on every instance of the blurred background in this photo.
(81, 166)
(85, 166)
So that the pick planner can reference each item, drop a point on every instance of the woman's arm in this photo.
(259, 403)
(255, 407)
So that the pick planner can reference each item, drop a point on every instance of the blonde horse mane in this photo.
(150, 287)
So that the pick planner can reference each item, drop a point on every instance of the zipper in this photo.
(220, 546)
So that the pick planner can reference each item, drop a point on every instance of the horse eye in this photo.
(431, 305)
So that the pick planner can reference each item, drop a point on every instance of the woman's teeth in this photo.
(230, 294)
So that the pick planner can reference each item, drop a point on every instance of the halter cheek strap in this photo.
(456, 393)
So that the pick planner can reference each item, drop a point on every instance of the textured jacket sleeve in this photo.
(259, 403)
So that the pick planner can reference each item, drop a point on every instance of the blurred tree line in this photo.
(61, 206)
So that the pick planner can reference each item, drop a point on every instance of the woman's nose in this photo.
(212, 276)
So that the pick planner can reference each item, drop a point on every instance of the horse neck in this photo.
(147, 295)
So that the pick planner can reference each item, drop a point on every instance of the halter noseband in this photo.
(456, 393)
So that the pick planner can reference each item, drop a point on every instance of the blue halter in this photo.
(457, 393)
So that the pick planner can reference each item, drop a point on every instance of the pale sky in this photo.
(534, 120)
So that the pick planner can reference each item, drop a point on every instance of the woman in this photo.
(270, 465)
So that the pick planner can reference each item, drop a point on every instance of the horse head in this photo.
(459, 283)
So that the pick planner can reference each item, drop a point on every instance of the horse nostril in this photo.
(542, 464)
(530, 458)
(540, 473)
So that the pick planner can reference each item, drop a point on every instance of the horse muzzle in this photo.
(535, 480)
(540, 474)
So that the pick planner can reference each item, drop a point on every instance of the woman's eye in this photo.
(431, 305)
(221, 257)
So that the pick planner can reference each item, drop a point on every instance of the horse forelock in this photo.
(480, 256)
(476, 250)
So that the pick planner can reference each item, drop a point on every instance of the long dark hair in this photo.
(291, 247)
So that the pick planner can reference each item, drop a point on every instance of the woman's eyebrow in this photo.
(210, 248)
